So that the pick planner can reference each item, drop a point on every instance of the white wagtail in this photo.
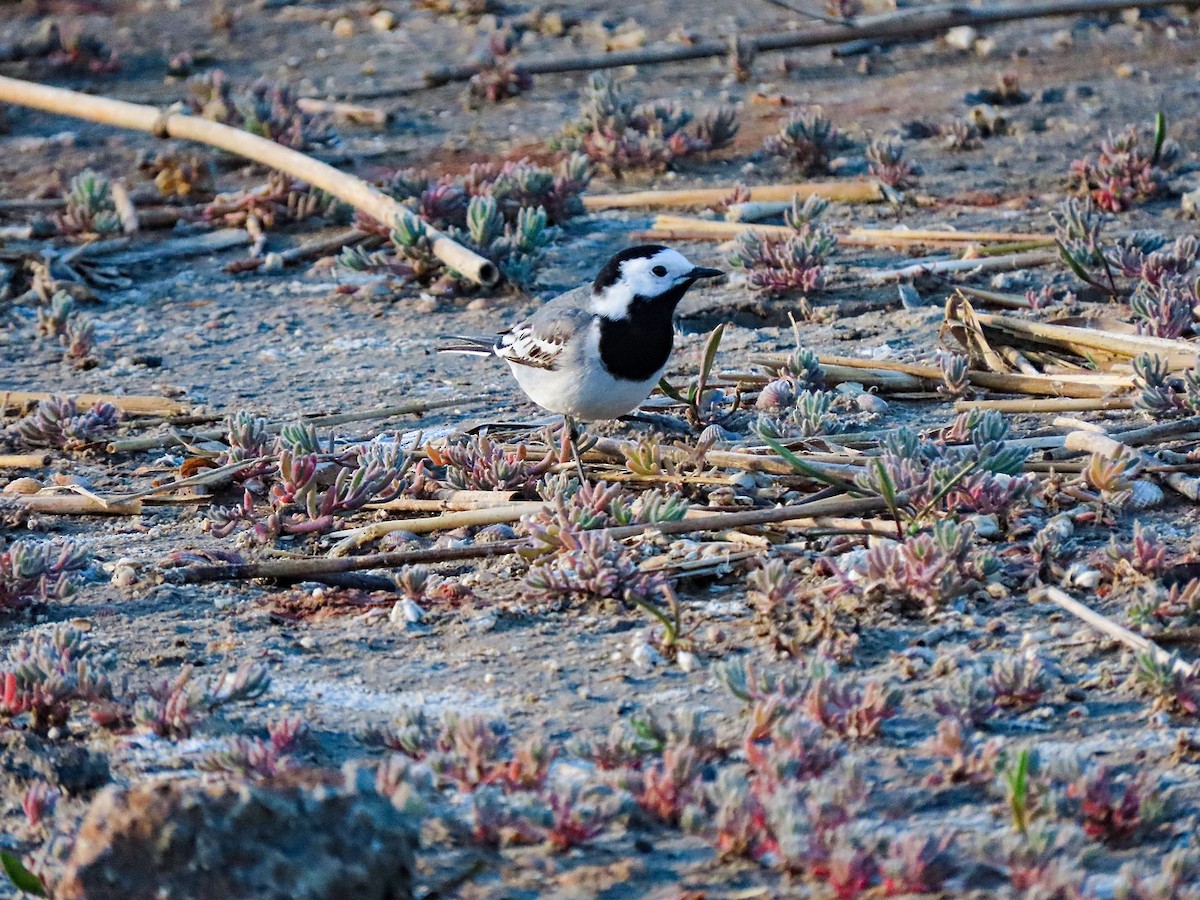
(596, 352)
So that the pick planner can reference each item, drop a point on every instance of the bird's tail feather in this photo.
(465, 343)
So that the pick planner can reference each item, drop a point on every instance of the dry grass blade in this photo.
(467, 518)
(75, 504)
(1084, 341)
(866, 191)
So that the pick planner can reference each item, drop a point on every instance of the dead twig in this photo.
(130, 404)
(299, 569)
(1107, 626)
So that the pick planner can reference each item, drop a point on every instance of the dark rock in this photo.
(303, 836)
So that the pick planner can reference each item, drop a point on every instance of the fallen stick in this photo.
(176, 248)
(130, 404)
(299, 569)
(1028, 259)
(345, 187)
(63, 504)
(909, 24)
(1107, 626)
(449, 501)
(1177, 354)
(159, 441)
(863, 191)
(354, 113)
(1110, 448)
(467, 518)
(24, 460)
(855, 237)
(1046, 404)
(307, 250)
(1098, 385)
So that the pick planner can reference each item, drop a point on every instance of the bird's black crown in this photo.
(612, 269)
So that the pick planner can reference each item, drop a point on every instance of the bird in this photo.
(597, 351)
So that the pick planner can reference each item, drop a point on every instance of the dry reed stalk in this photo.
(1046, 404)
(468, 518)
(1025, 260)
(299, 569)
(865, 191)
(848, 368)
(308, 250)
(1107, 626)
(345, 187)
(24, 460)
(73, 504)
(130, 404)
(1111, 448)
(905, 24)
(175, 439)
(450, 501)
(1177, 354)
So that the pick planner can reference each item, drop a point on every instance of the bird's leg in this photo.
(572, 437)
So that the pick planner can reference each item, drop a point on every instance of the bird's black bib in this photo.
(635, 347)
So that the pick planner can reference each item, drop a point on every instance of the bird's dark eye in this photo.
(659, 271)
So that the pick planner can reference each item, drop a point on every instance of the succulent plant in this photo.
(615, 131)
(1124, 173)
(89, 206)
(262, 108)
(173, 707)
(794, 262)
(885, 160)
(49, 671)
(806, 142)
(39, 569)
(57, 422)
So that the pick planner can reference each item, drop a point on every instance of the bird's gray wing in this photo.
(540, 340)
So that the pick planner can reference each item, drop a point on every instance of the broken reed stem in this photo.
(855, 237)
(299, 569)
(308, 250)
(866, 191)
(467, 518)
(1177, 354)
(24, 460)
(354, 191)
(449, 501)
(130, 404)
(1046, 404)
(1107, 626)
(63, 504)
(1025, 260)
(1111, 448)
(914, 376)
(155, 442)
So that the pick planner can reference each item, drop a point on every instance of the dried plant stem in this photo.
(467, 518)
(175, 439)
(130, 404)
(354, 113)
(24, 460)
(849, 368)
(854, 237)
(299, 569)
(1009, 301)
(116, 252)
(1026, 260)
(308, 250)
(345, 187)
(449, 501)
(1046, 404)
(1091, 442)
(1107, 626)
(907, 24)
(866, 191)
(1084, 341)
(63, 504)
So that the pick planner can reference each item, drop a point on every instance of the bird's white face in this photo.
(645, 277)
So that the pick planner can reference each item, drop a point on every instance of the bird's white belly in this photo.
(589, 393)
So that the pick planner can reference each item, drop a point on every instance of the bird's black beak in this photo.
(700, 272)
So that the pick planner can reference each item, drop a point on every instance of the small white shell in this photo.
(776, 394)
(645, 657)
(1079, 575)
(1145, 494)
(405, 612)
(687, 660)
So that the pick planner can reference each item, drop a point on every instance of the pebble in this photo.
(343, 27)
(483, 622)
(308, 643)
(645, 657)
(961, 37)
(384, 20)
(687, 661)
(871, 403)
(23, 486)
(1189, 202)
